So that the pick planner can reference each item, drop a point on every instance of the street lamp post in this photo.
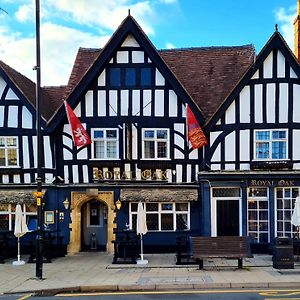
(39, 236)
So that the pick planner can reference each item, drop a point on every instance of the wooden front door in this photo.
(228, 218)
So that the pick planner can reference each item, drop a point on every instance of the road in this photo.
(229, 294)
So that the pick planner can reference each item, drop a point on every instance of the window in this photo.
(155, 143)
(285, 202)
(7, 215)
(163, 216)
(271, 144)
(130, 76)
(8, 152)
(105, 143)
(258, 214)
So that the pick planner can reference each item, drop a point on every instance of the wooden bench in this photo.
(230, 247)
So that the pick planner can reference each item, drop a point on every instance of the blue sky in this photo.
(67, 25)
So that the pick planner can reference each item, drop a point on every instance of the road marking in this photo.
(181, 292)
(275, 293)
(25, 297)
(282, 298)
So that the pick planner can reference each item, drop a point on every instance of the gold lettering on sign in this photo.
(281, 182)
(127, 175)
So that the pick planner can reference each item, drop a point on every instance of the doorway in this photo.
(94, 226)
(228, 218)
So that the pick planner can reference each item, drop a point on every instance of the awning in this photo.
(159, 195)
(17, 196)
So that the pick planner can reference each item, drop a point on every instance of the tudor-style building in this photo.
(132, 100)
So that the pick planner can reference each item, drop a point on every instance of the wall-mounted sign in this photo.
(280, 182)
(147, 174)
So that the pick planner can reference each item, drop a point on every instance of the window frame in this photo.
(105, 140)
(6, 147)
(270, 142)
(155, 144)
(161, 212)
(258, 199)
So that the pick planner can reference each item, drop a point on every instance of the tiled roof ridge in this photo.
(246, 46)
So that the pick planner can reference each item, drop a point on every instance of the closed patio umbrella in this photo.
(296, 215)
(141, 229)
(20, 230)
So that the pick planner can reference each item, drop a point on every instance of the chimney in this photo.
(297, 32)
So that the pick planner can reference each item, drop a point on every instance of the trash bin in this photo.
(283, 253)
(93, 241)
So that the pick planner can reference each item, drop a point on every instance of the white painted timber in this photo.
(178, 173)
(26, 161)
(159, 79)
(147, 102)
(283, 103)
(26, 118)
(280, 65)
(159, 103)
(89, 104)
(244, 145)
(245, 105)
(134, 142)
(75, 174)
(130, 41)
(138, 57)
(82, 154)
(188, 173)
(296, 144)
(11, 95)
(292, 73)
(2, 116)
(85, 173)
(296, 104)
(230, 147)
(136, 108)
(256, 75)
(113, 103)
(101, 103)
(101, 79)
(122, 57)
(77, 110)
(27, 178)
(217, 155)
(230, 114)
(124, 102)
(12, 121)
(268, 66)
(47, 152)
(258, 103)
(66, 174)
(2, 86)
(172, 104)
(270, 103)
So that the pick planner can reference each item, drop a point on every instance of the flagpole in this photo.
(39, 236)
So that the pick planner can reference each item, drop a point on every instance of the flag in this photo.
(80, 136)
(195, 132)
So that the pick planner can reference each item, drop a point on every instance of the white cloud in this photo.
(25, 12)
(170, 46)
(285, 18)
(59, 46)
(168, 1)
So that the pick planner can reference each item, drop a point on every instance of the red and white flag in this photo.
(80, 136)
(195, 133)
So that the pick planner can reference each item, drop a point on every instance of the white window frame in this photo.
(155, 143)
(160, 212)
(270, 144)
(293, 199)
(258, 199)
(11, 213)
(105, 142)
(5, 147)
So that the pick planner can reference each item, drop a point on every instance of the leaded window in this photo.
(7, 215)
(258, 214)
(270, 144)
(105, 143)
(9, 152)
(163, 216)
(285, 202)
(155, 143)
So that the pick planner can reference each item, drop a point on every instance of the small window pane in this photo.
(279, 134)
(2, 142)
(162, 134)
(134, 206)
(278, 150)
(11, 142)
(2, 157)
(12, 157)
(130, 76)
(149, 149)
(115, 76)
(152, 221)
(111, 133)
(181, 222)
(167, 222)
(181, 207)
(226, 192)
(167, 206)
(111, 149)
(262, 135)
(262, 150)
(151, 207)
(161, 149)
(99, 149)
(145, 76)
(149, 133)
(98, 134)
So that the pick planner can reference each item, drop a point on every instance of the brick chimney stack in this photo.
(297, 32)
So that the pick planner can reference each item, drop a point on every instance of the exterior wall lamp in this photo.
(66, 203)
(118, 204)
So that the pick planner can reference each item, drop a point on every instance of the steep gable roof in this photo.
(128, 26)
(276, 41)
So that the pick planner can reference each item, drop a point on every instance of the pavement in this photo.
(93, 271)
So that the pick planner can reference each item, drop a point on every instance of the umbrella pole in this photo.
(142, 255)
(19, 249)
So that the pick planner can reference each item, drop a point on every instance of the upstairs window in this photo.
(130, 76)
(105, 143)
(9, 152)
(270, 144)
(155, 143)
